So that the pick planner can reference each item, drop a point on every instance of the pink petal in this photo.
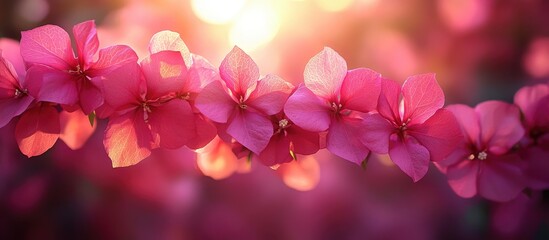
(324, 73)
(389, 100)
(52, 85)
(8, 80)
(215, 103)
(301, 175)
(87, 42)
(127, 139)
(410, 156)
(49, 45)
(529, 99)
(307, 111)
(376, 132)
(303, 142)
(468, 121)
(251, 130)
(170, 41)
(463, 178)
(500, 124)
(501, 179)
(239, 72)
(217, 160)
(360, 90)
(37, 130)
(422, 97)
(164, 72)
(112, 58)
(123, 87)
(10, 105)
(440, 134)
(12, 108)
(201, 73)
(11, 51)
(204, 132)
(276, 152)
(75, 128)
(537, 168)
(343, 140)
(173, 122)
(270, 95)
(91, 96)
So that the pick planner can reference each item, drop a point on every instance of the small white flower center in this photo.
(283, 123)
(482, 155)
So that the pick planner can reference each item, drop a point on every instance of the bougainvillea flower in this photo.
(218, 161)
(335, 99)
(288, 139)
(301, 175)
(485, 162)
(38, 129)
(411, 126)
(14, 99)
(56, 74)
(149, 112)
(75, 128)
(242, 101)
(534, 103)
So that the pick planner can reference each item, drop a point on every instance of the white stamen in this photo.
(482, 155)
(283, 123)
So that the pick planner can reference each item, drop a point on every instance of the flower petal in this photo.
(500, 124)
(215, 103)
(75, 128)
(11, 51)
(112, 58)
(531, 101)
(165, 73)
(303, 142)
(204, 132)
(91, 96)
(52, 85)
(301, 175)
(410, 156)
(12, 108)
(376, 132)
(251, 130)
(422, 97)
(239, 72)
(276, 152)
(468, 121)
(123, 87)
(217, 160)
(324, 73)
(537, 168)
(127, 139)
(440, 134)
(360, 90)
(170, 41)
(307, 111)
(87, 42)
(37, 130)
(201, 73)
(501, 179)
(463, 178)
(173, 122)
(343, 140)
(270, 94)
(49, 45)
(389, 100)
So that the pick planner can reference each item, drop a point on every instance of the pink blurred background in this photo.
(479, 49)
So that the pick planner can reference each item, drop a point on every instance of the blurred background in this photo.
(479, 49)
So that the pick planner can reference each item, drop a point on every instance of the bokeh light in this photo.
(217, 11)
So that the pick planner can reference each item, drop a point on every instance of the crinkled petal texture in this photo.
(239, 72)
(75, 128)
(128, 139)
(112, 58)
(201, 73)
(343, 140)
(47, 45)
(500, 124)
(270, 95)
(324, 73)
(215, 103)
(170, 41)
(360, 90)
(37, 130)
(410, 156)
(173, 122)
(165, 73)
(422, 98)
(87, 43)
(251, 129)
(10, 104)
(307, 110)
(11, 51)
(52, 85)
(534, 103)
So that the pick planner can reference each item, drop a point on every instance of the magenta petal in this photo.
(410, 156)
(87, 42)
(251, 130)
(122, 87)
(276, 152)
(422, 97)
(500, 124)
(127, 139)
(270, 95)
(12, 108)
(463, 178)
(307, 110)
(376, 132)
(48, 45)
(170, 41)
(204, 132)
(201, 73)
(90, 97)
(468, 121)
(8, 80)
(389, 100)
(215, 103)
(239, 72)
(112, 58)
(37, 130)
(304, 142)
(324, 73)
(343, 140)
(165, 73)
(440, 134)
(173, 122)
(52, 85)
(501, 179)
(11, 51)
(360, 90)
(530, 100)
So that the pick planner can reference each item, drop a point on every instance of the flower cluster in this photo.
(173, 98)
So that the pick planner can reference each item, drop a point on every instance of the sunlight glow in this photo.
(334, 6)
(217, 11)
(257, 25)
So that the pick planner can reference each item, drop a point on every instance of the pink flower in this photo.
(335, 99)
(56, 75)
(411, 126)
(485, 163)
(242, 101)
(14, 99)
